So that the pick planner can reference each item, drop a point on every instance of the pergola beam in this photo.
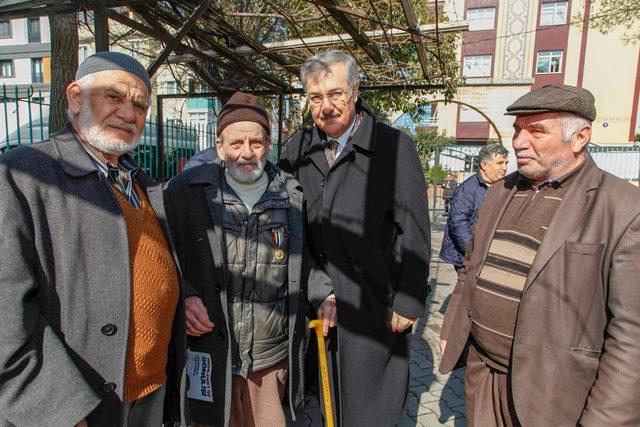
(218, 51)
(412, 21)
(171, 44)
(324, 41)
(258, 47)
(43, 8)
(352, 27)
(195, 53)
(101, 27)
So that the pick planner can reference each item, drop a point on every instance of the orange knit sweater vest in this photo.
(154, 296)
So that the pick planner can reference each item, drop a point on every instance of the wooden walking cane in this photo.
(324, 371)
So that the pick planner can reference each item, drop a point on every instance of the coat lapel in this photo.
(572, 208)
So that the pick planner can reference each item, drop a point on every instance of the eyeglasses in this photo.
(333, 97)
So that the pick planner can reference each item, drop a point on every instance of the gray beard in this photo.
(95, 136)
(242, 176)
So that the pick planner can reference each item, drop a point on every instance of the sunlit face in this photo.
(496, 169)
(110, 111)
(336, 108)
(244, 147)
(540, 150)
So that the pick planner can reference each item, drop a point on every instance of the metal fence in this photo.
(24, 117)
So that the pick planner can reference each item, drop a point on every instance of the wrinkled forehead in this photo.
(244, 130)
(547, 118)
(121, 81)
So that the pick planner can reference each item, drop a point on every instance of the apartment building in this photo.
(512, 46)
(25, 75)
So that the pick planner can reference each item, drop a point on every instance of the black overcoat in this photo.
(369, 242)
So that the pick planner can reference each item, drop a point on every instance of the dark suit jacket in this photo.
(576, 345)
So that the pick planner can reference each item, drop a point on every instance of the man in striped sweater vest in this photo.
(91, 324)
(548, 300)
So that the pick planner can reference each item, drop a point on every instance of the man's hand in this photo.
(400, 323)
(443, 346)
(328, 311)
(198, 322)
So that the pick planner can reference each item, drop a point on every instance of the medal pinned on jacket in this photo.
(278, 242)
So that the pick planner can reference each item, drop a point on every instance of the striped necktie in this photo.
(330, 149)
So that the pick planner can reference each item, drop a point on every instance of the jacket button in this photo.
(322, 183)
(109, 329)
(108, 387)
(218, 288)
(220, 336)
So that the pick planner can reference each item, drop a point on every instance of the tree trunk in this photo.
(64, 63)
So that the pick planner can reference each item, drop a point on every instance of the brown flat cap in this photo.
(243, 107)
(555, 98)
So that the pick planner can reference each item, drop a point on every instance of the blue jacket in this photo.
(463, 212)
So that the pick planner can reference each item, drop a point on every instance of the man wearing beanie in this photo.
(237, 224)
(547, 302)
(90, 306)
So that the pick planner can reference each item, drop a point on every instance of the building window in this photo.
(170, 87)
(37, 75)
(6, 68)
(83, 52)
(481, 19)
(549, 62)
(477, 66)
(34, 30)
(5, 29)
(554, 13)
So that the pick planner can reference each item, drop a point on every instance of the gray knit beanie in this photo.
(106, 61)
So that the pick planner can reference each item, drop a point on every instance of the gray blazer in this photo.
(63, 277)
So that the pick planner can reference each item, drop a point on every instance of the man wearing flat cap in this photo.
(548, 300)
(237, 224)
(91, 319)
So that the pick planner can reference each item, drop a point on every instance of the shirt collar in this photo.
(125, 165)
(560, 181)
(342, 139)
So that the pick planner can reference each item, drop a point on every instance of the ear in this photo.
(355, 92)
(483, 164)
(74, 97)
(580, 139)
(219, 148)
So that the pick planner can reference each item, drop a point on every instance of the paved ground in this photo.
(435, 399)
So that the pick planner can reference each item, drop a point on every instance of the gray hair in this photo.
(84, 83)
(323, 60)
(488, 151)
(571, 124)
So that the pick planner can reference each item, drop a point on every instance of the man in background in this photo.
(466, 202)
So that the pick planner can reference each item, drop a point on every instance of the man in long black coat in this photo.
(368, 238)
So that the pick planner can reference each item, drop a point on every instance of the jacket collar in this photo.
(75, 160)
(362, 137)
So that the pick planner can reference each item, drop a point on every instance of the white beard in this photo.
(94, 134)
(245, 177)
